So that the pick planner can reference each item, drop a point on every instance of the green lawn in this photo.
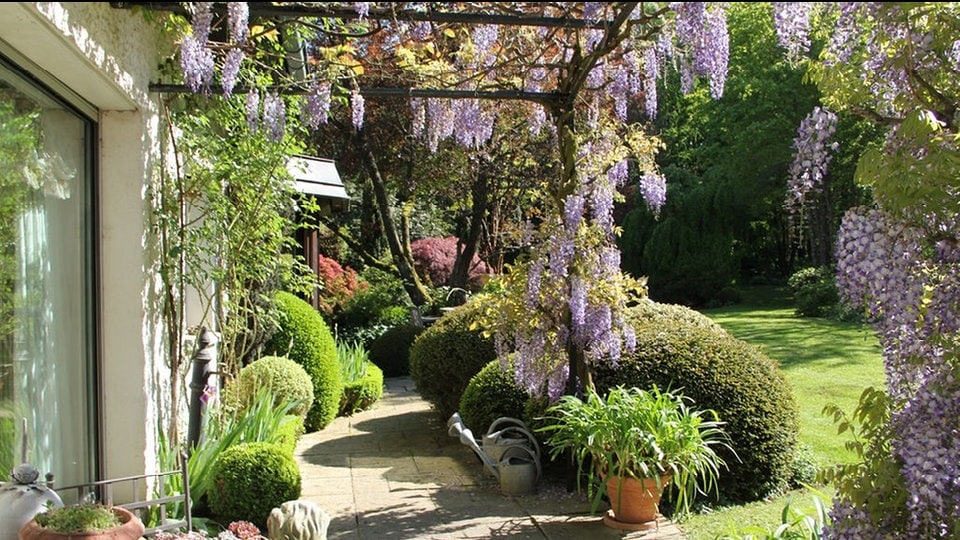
(824, 361)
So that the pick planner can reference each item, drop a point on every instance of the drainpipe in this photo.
(204, 365)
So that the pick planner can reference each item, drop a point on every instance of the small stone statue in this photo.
(298, 520)
(23, 497)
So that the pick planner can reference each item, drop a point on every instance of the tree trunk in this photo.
(399, 249)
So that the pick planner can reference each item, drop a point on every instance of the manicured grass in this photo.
(824, 361)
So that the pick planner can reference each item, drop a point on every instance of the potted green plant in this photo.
(637, 442)
(83, 521)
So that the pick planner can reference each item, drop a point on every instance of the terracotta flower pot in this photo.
(634, 504)
(131, 529)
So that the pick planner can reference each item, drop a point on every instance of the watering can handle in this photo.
(505, 420)
(524, 452)
(525, 433)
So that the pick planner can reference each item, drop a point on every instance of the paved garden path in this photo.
(393, 473)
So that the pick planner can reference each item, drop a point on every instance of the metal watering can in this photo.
(510, 453)
(23, 497)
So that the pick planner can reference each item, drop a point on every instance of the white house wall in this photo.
(108, 57)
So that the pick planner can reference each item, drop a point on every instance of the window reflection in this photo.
(45, 363)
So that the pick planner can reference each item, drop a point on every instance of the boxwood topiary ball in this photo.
(287, 380)
(492, 393)
(248, 480)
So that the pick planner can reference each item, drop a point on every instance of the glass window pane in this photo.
(45, 360)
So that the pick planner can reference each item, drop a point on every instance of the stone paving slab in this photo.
(393, 473)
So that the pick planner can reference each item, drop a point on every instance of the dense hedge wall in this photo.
(391, 350)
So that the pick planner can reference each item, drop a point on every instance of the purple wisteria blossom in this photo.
(357, 110)
(274, 117)
(362, 9)
(252, 106)
(316, 106)
(911, 292)
(653, 186)
(197, 64)
(792, 23)
(231, 69)
(813, 150)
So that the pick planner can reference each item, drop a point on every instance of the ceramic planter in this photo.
(634, 504)
(131, 529)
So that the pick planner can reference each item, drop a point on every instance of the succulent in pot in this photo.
(83, 521)
(631, 435)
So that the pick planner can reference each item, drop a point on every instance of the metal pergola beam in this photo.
(516, 95)
(271, 9)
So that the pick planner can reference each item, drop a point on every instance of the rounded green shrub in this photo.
(248, 480)
(360, 394)
(449, 353)
(289, 434)
(815, 292)
(391, 350)
(492, 393)
(304, 337)
(680, 349)
(287, 380)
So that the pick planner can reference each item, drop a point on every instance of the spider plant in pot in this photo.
(83, 521)
(637, 442)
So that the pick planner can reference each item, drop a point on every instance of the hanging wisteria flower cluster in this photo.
(813, 149)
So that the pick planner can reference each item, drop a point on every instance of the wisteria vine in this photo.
(898, 260)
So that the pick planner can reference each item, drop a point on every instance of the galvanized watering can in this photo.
(508, 450)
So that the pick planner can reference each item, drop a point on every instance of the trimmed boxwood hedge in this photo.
(681, 349)
(448, 354)
(391, 350)
(492, 393)
(248, 480)
(287, 380)
(304, 337)
(360, 394)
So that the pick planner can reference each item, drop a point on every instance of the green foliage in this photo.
(686, 253)
(874, 482)
(353, 360)
(639, 434)
(449, 353)
(492, 393)
(360, 394)
(248, 480)
(289, 433)
(286, 379)
(680, 349)
(238, 232)
(261, 421)
(391, 350)
(303, 336)
(794, 524)
(79, 518)
(8, 439)
(373, 309)
(815, 291)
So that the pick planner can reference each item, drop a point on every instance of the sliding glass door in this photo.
(47, 360)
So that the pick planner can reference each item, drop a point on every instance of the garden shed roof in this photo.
(317, 176)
